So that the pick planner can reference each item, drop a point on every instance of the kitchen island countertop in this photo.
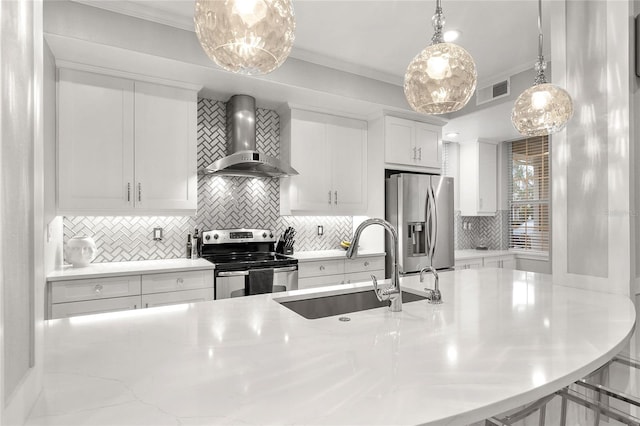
(250, 360)
(114, 269)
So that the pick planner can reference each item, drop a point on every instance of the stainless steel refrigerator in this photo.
(420, 207)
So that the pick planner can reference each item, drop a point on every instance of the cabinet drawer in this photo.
(176, 281)
(95, 288)
(357, 277)
(319, 268)
(88, 307)
(176, 297)
(363, 264)
(322, 281)
(474, 263)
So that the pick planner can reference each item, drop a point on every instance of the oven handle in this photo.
(244, 273)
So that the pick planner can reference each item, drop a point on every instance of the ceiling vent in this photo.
(492, 92)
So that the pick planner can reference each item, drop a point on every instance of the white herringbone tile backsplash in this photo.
(223, 202)
(493, 231)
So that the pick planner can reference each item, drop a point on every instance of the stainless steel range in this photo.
(246, 263)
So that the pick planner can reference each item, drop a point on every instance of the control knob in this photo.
(270, 234)
(264, 235)
(207, 237)
(216, 236)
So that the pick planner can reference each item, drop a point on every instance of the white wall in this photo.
(21, 225)
(591, 160)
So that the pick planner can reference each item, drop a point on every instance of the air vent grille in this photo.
(492, 92)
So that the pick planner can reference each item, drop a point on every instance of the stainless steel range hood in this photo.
(242, 158)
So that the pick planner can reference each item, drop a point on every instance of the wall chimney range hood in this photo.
(242, 158)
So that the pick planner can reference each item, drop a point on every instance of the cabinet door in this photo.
(176, 297)
(88, 307)
(320, 267)
(310, 190)
(399, 141)
(94, 288)
(487, 178)
(428, 144)
(492, 262)
(95, 143)
(357, 277)
(176, 281)
(348, 142)
(325, 280)
(165, 148)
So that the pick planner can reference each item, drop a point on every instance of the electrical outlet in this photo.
(320, 230)
(157, 234)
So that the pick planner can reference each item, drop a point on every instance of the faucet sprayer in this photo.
(393, 293)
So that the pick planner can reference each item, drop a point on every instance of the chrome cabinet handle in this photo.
(420, 153)
(414, 153)
(336, 198)
(98, 288)
(128, 192)
(322, 267)
(329, 197)
(180, 282)
(366, 263)
(139, 191)
(146, 305)
(135, 306)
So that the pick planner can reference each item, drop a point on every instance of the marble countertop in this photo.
(251, 361)
(332, 254)
(114, 269)
(473, 254)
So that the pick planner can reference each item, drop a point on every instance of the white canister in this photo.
(80, 250)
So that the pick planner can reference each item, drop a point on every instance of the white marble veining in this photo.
(486, 349)
(474, 254)
(114, 269)
(332, 254)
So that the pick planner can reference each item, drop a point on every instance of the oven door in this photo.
(233, 283)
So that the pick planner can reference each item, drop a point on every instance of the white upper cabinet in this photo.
(124, 146)
(95, 142)
(478, 178)
(412, 145)
(330, 155)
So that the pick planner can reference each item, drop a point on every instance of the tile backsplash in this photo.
(223, 202)
(490, 231)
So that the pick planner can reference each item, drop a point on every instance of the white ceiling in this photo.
(379, 38)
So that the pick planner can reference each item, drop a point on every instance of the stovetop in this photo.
(254, 260)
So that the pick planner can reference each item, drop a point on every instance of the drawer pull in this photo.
(180, 282)
(146, 305)
(322, 267)
(135, 306)
(98, 288)
(366, 263)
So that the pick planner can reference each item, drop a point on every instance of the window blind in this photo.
(529, 216)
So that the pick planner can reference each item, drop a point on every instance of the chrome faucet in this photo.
(393, 293)
(434, 295)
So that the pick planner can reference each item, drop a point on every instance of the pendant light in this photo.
(544, 108)
(246, 36)
(442, 77)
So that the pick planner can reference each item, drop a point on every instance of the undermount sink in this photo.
(317, 306)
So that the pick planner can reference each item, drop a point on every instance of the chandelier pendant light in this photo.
(544, 108)
(442, 77)
(246, 36)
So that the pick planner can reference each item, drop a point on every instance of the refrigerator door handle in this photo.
(434, 228)
(427, 224)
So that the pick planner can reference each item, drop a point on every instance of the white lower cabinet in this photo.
(99, 306)
(98, 295)
(474, 263)
(504, 261)
(319, 273)
(175, 297)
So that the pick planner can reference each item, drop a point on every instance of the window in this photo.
(529, 195)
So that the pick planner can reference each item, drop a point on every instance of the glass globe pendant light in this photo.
(442, 77)
(246, 36)
(544, 108)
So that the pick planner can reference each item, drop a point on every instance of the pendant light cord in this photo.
(438, 24)
(540, 65)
